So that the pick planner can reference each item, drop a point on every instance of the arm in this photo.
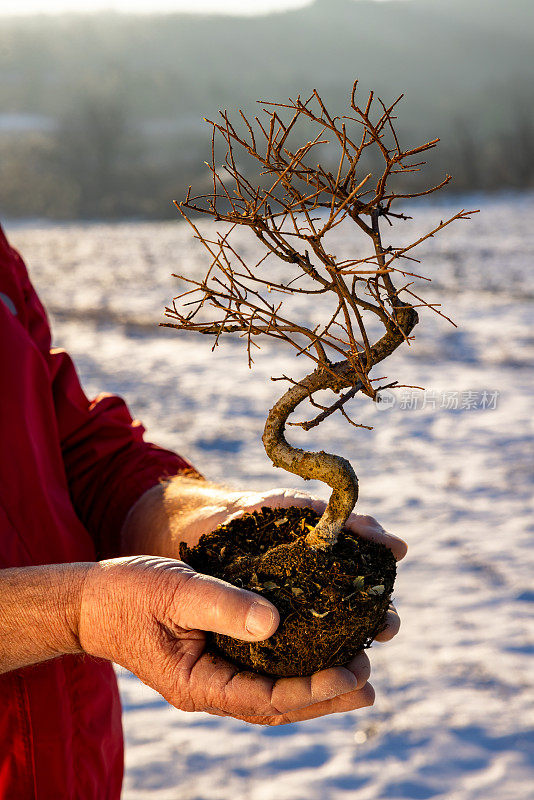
(108, 464)
(149, 615)
(39, 607)
(179, 509)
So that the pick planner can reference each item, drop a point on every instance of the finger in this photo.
(393, 624)
(360, 666)
(231, 517)
(351, 701)
(290, 694)
(274, 498)
(222, 687)
(206, 603)
(369, 528)
(216, 685)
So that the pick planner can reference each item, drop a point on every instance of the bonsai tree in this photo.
(296, 558)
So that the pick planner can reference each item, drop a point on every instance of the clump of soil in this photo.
(332, 603)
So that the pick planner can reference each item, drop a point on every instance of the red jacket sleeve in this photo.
(108, 464)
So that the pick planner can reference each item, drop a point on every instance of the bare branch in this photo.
(290, 211)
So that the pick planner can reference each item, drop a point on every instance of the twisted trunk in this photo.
(333, 470)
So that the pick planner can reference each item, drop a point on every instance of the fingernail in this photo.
(259, 619)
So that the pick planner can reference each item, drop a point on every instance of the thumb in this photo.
(206, 603)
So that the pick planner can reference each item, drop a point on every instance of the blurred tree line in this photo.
(101, 115)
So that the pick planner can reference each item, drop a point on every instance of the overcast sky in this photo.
(147, 6)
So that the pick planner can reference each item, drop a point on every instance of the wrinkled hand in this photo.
(238, 503)
(149, 615)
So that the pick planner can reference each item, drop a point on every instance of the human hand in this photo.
(239, 503)
(182, 510)
(150, 614)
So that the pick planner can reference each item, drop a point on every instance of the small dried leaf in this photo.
(319, 616)
(376, 589)
(296, 591)
(282, 521)
(359, 582)
(270, 585)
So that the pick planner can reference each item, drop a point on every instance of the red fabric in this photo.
(70, 470)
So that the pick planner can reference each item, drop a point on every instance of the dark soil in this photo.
(332, 603)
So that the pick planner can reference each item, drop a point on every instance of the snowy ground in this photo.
(454, 716)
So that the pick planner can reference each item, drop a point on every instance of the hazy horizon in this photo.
(230, 7)
(102, 114)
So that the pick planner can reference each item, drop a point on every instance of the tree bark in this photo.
(333, 470)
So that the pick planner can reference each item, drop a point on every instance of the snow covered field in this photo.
(454, 715)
